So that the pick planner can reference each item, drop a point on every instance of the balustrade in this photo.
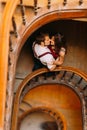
(35, 7)
(49, 4)
(23, 12)
(14, 27)
(10, 44)
(80, 2)
(65, 2)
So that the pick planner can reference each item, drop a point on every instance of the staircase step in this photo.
(25, 106)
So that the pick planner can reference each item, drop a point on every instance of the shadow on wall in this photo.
(49, 126)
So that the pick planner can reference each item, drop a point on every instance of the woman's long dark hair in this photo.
(60, 41)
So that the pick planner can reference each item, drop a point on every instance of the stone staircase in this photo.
(27, 12)
(66, 76)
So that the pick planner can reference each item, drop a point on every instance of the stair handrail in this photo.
(43, 70)
(4, 47)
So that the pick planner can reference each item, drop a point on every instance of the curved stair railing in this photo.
(69, 76)
(14, 34)
(59, 119)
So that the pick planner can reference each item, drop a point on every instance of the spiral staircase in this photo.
(20, 18)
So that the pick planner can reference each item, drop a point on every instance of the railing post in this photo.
(49, 4)
(22, 12)
(65, 2)
(80, 2)
(14, 27)
(35, 7)
(10, 44)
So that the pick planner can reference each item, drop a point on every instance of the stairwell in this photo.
(23, 22)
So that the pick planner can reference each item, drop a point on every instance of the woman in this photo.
(58, 48)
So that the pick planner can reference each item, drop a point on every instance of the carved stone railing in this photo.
(69, 76)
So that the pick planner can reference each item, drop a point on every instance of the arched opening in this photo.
(58, 82)
(75, 34)
(44, 122)
(25, 61)
(56, 100)
(42, 118)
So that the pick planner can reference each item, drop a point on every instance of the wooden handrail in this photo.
(44, 70)
(26, 2)
(4, 47)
